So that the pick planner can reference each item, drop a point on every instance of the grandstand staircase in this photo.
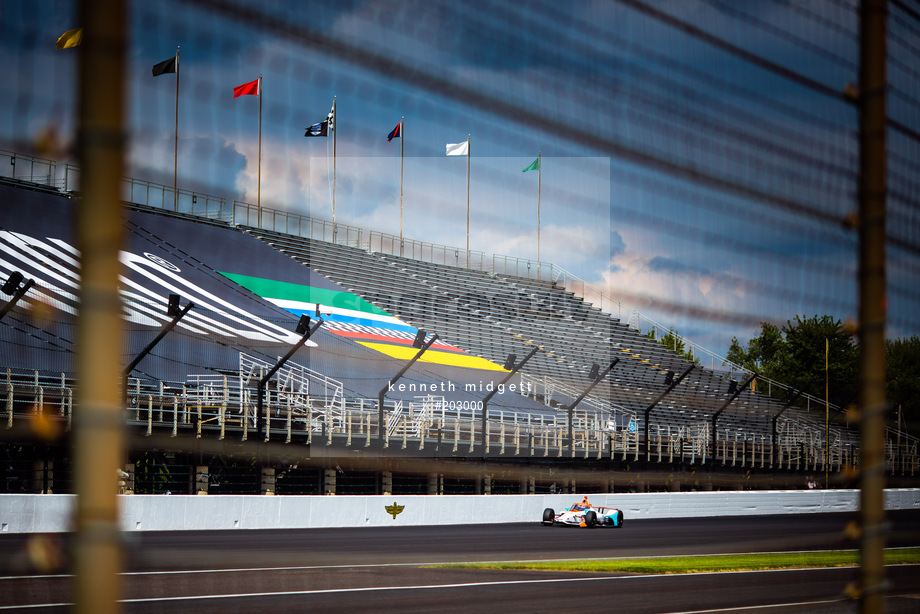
(413, 418)
(310, 396)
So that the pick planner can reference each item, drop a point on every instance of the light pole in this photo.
(303, 328)
(172, 309)
(15, 286)
(509, 364)
(791, 396)
(423, 346)
(734, 390)
(597, 377)
(672, 384)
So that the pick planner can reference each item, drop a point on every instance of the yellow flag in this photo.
(70, 38)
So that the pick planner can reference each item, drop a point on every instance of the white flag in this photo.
(458, 149)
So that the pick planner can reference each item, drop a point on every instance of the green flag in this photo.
(534, 166)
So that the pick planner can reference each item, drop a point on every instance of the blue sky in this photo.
(612, 94)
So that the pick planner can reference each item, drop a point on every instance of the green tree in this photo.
(803, 364)
(763, 352)
(795, 355)
(674, 342)
(903, 381)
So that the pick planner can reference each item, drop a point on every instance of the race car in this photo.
(584, 515)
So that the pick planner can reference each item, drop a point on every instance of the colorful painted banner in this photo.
(350, 316)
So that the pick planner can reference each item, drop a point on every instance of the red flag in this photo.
(247, 89)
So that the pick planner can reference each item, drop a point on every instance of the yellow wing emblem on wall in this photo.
(394, 509)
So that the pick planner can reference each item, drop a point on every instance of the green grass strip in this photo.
(707, 563)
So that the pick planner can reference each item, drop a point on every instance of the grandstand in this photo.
(653, 413)
(718, 165)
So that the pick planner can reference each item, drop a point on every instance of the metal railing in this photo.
(295, 224)
(296, 387)
(426, 252)
(23, 167)
(547, 388)
(156, 195)
(211, 406)
(522, 267)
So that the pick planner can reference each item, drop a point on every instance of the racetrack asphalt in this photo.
(381, 569)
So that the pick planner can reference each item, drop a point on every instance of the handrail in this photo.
(424, 251)
(165, 404)
(522, 267)
(17, 161)
(295, 224)
(158, 196)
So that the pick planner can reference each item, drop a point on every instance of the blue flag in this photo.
(395, 132)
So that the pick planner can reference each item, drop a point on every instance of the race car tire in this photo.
(590, 519)
(619, 518)
(549, 516)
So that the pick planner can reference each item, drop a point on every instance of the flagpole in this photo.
(176, 148)
(335, 120)
(539, 188)
(402, 141)
(469, 154)
(259, 179)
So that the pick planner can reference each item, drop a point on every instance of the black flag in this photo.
(318, 129)
(164, 67)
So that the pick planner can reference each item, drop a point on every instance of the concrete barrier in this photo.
(52, 513)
